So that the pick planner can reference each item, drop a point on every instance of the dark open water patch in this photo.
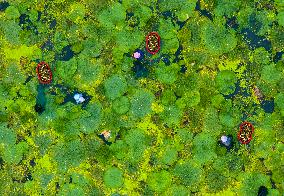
(28, 79)
(177, 54)
(52, 24)
(254, 24)
(166, 59)
(26, 24)
(32, 162)
(232, 23)
(268, 106)
(183, 69)
(262, 191)
(3, 6)
(66, 54)
(278, 56)
(24, 20)
(203, 12)
(255, 41)
(237, 90)
(168, 14)
(39, 13)
(1, 163)
(48, 45)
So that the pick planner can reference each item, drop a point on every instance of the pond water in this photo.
(69, 96)
(255, 41)
(268, 106)
(66, 54)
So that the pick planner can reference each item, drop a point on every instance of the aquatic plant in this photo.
(121, 105)
(226, 82)
(169, 40)
(113, 16)
(159, 181)
(204, 148)
(226, 8)
(88, 71)
(280, 17)
(167, 74)
(113, 177)
(69, 154)
(171, 115)
(115, 86)
(188, 174)
(279, 102)
(185, 135)
(182, 9)
(7, 136)
(253, 181)
(141, 103)
(67, 69)
(14, 154)
(270, 74)
(217, 39)
(169, 156)
(216, 181)
(137, 142)
(168, 97)
(178, 190)
(12, 12)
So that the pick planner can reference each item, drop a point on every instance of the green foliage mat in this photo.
(220, 63)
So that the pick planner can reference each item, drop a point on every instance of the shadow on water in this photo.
(3, 6)
(140, 70)
(39, 13)
(166, 59)
(40, 99)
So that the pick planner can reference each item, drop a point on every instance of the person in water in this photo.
(226, 141)
(79, 98)
(138, 54)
